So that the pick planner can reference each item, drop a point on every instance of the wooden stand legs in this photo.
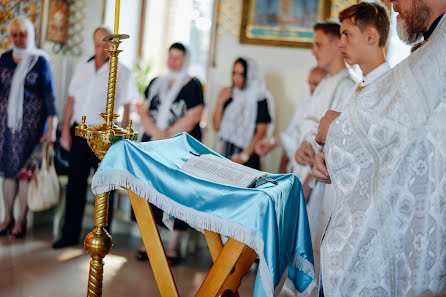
(154, 246)
(231, 261)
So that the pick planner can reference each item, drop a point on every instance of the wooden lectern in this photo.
(231, 261)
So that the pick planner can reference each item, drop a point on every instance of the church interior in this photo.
(215, 33)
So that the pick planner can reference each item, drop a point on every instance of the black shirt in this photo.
(190, 96)
(432, 28)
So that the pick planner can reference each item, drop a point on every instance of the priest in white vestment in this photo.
(386, 156)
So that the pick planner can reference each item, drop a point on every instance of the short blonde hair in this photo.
(18, 23)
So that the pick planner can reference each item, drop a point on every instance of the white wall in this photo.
(286, 71)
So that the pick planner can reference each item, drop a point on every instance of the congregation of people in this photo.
(370, 154)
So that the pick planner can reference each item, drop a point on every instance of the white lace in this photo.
(239, 119)
(167, 92)
(386, 156)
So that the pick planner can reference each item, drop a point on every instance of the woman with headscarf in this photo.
(174, 103)
(244, 113)
(174, 100)
(27, 116)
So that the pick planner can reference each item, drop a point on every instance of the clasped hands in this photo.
(305, 154)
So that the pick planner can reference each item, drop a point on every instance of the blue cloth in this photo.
(271, 219)
(38, 103)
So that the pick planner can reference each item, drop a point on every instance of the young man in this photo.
(333, 89)
(337, 84)
(87, 94)
(385, 155)
(364, 33)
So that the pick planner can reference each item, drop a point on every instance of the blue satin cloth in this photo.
(271, 219)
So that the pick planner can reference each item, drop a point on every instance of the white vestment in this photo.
(329, 92)
(386, 155)
(292, 137)
(323, 196)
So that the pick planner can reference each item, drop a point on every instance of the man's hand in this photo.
(263, 147)
(306, 188)
(320, 169)
(237, 158)
(65, 139)
(305, 154)
(139, 107)
(324, 125)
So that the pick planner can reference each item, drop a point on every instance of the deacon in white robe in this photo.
(364, 32)
(333, 89)
(330, 92)
(321, 202)
(386, 157)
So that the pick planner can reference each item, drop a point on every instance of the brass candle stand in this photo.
(98, 242)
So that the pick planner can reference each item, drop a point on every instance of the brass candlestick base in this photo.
(99, 243)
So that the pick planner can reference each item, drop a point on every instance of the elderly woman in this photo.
(27, 116)
(244, 113)
(174, 104)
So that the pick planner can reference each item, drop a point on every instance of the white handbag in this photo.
(43, 191)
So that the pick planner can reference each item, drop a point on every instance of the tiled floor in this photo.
(30, 268)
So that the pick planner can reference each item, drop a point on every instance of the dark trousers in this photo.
(81, 160)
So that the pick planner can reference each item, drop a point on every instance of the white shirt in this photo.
(89, 87)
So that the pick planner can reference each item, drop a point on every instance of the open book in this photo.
(223, 171)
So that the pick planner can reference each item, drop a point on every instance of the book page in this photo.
(222, 171)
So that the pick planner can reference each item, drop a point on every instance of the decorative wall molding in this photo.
(229, 19)
(73, 45)
(338, 5)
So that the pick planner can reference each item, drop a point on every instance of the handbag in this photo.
(32, 164)
(43, 191)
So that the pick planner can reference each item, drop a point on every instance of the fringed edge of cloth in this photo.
(303, 265)
(108, 180)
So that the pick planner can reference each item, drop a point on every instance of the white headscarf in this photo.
(168, 93)
(28, 57)
(239, 119)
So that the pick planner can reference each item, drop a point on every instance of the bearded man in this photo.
(386, 157)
